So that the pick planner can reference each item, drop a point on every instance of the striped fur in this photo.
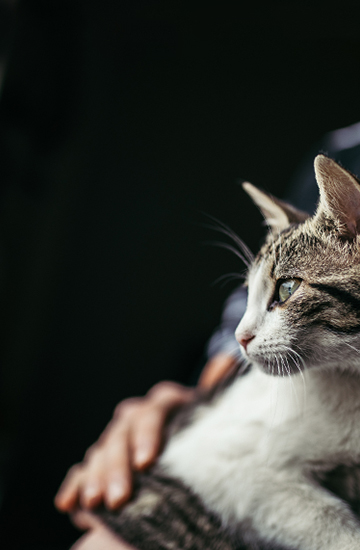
(164, 514)
(258, 464)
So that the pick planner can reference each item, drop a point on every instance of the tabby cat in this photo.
(248, 468)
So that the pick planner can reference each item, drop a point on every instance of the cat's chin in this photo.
(279, 366)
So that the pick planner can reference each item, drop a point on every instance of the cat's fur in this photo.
(249, 469)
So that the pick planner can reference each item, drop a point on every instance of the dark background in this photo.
(120, 123)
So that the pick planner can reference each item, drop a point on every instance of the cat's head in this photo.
(304, 285)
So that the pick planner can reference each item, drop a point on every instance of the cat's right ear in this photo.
(278, 214)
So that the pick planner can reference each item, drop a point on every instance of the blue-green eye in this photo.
(287, 289)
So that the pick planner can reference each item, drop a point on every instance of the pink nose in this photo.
(245, 340)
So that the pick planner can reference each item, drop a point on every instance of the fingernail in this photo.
(116, 491)
(143, 455)
(59, 500)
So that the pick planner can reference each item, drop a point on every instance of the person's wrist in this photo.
(217, 368)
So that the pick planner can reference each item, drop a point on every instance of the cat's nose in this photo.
(245, 339)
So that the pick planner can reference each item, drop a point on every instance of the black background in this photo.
(120, 123)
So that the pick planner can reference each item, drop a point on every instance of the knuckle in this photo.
(90, 452)
(127, 407)
(165, 389)
(74, 471)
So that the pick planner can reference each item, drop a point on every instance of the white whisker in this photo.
(229, 277)
(231, 249)
(352, 347)
(278, 367)
(226, 230)
(293, 386)
(274, 391)
(295, 356)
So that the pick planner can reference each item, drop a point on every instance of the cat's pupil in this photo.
(287, 288)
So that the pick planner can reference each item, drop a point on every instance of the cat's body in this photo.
(247, 465)
(263, 478)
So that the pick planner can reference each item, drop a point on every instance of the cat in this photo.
(248, 467)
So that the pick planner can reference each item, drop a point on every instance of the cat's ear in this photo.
(339, 195)
(278, 214)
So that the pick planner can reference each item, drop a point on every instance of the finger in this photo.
(66, 498)
(91, 489)
(117, 469)
(146, 437)
(148, 425)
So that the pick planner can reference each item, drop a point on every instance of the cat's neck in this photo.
(329, 386)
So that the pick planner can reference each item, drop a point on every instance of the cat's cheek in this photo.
(272, 347)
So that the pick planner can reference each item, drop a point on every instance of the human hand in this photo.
(98, 536)
(130, 442)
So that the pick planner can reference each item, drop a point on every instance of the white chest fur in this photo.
(262, 429)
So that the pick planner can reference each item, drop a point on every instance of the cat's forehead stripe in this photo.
(305, 249)
(277, 247)
(332, 271)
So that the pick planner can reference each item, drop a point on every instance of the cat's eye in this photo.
(287, 289)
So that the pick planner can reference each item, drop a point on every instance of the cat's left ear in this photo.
(339, 195)
(278, 214)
